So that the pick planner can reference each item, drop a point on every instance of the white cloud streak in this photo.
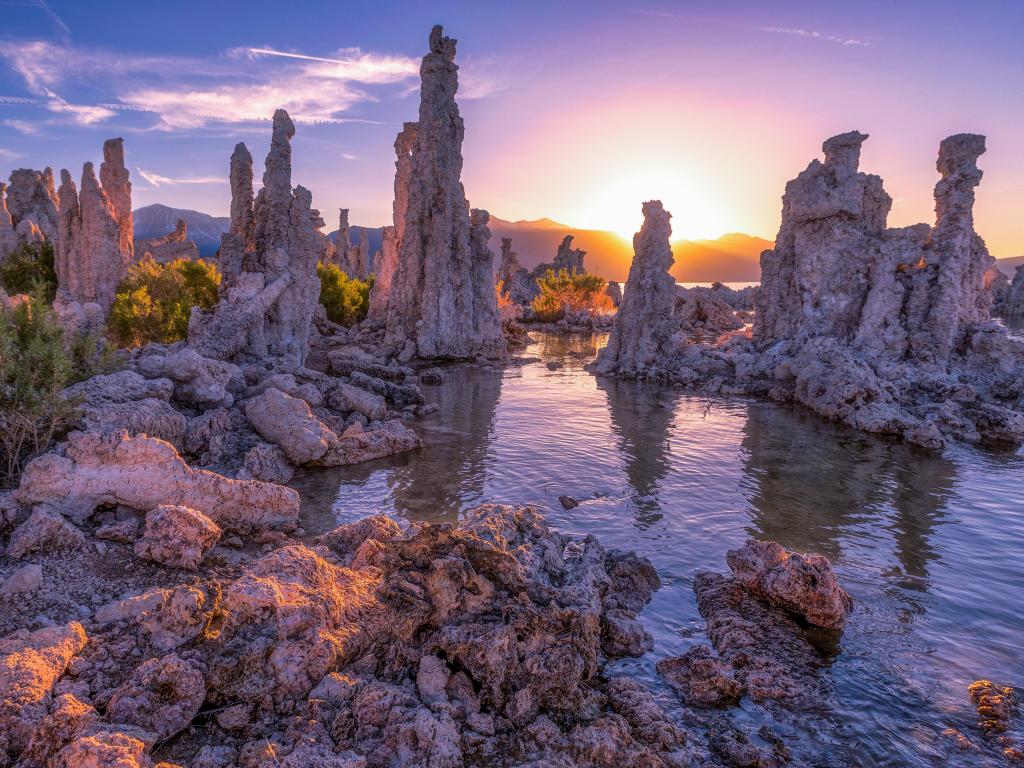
(9, 154)
(810, 33)
(240, 85)
(156, 180)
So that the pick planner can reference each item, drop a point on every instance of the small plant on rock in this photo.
(567, 291)
(345, 298)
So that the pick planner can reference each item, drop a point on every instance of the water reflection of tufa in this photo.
(642, 417)
(451, 475)
(811, 494)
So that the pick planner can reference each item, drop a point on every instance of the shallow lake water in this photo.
(930, 547)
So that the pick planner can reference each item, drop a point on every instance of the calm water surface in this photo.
(930, 547)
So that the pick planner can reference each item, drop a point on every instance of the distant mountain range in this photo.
(734, 257)
(204, 230)
(1009, 265)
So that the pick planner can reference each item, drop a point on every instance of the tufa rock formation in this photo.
(1012, 304)
(270, 288)
(89, 259)
(171, 247)
(380, 293)
(32, 205)
(8, 237)
(887, 330)
(837, 272)
(515, 279)
(442, 302)
(645, 330)
(118, 188)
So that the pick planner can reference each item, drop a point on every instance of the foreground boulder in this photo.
(177, 536)
(94, 468)
(289, 423)
(476, 644)
(30, 665)
(803, 584)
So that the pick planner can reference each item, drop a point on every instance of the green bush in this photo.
(34, 368)
(30, 269)
(155, 301)
(345, 298)
(575, 291)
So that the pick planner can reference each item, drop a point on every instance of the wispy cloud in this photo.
(813, 34)
(9, 154)
(21, 126)
(158, 180)
(240, 85)
(348, 156)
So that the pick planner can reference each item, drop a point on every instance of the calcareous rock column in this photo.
(116, 183)
(644, 336)
(435, 309)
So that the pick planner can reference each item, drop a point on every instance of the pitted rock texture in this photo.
(270, 288)
(476, 644)
(645, 333)
(142, 472)
(442, 298)
(30, 665)
(802, 584)
(761, 648)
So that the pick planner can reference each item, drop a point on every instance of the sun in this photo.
(616, 206)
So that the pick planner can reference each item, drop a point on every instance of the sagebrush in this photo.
(154, 301)
(345, 298)
(566, 291)
(30, 269)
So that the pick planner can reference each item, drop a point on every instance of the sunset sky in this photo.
(573, 111)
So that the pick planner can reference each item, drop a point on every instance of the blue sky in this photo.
(576, 111)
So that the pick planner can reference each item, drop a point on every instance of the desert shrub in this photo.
(30, 269)
(569, 291)
(34, 368)
(154, 301)
(345, 298)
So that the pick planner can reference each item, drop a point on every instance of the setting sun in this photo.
(616, 207)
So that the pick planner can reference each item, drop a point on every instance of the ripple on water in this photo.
(929, 546)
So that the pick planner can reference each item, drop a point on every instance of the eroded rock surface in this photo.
(442, 297)
(177, 536)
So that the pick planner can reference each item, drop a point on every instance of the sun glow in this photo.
(696, 214)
